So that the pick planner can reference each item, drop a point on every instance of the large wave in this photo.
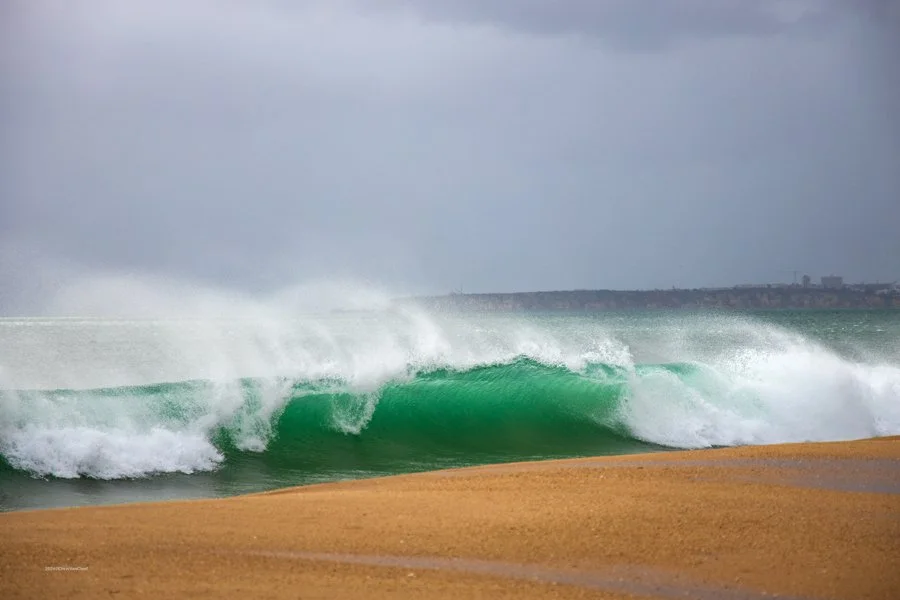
(370, 390)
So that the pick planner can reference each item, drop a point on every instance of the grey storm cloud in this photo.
(437, 145)
(634, 25)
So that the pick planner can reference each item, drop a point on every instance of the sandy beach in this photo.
(801, 521)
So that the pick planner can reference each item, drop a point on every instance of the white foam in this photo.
(793, 391)
(71, 452)
(352, 414)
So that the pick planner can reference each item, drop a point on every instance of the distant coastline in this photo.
(739, 297)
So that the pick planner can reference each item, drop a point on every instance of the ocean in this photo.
(96, 410)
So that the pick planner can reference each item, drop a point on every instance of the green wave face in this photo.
(519, 411)
(326, 429)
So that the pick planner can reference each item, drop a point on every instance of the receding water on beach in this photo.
(96, 410)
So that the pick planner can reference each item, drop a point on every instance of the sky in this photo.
(430, 146)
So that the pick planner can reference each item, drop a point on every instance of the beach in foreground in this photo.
(801, 520)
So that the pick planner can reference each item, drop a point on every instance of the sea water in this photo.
(98, 410)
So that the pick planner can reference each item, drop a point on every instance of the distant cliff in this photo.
(730, 298)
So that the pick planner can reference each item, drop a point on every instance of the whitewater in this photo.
(93, 408)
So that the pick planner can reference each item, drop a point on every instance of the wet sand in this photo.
(800, 521)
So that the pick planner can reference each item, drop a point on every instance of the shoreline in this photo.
(816, 520)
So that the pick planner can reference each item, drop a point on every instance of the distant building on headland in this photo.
(832, 282)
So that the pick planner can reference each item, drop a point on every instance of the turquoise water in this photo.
(114, 410)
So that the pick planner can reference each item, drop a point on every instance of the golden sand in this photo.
(804, 520)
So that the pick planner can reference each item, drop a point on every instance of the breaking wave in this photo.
(404, 390)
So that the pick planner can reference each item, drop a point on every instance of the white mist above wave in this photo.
(750, 382)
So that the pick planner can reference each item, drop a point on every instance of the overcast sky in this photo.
(488, 145)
